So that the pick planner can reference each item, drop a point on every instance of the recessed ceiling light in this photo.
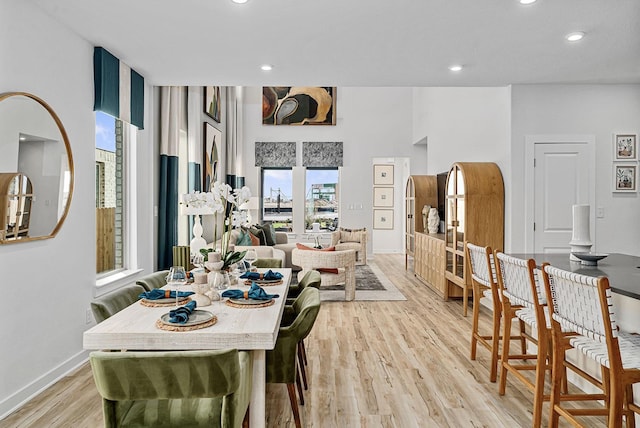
(574, 37)
(455, 68)
(527, 1)
(239, 1)
(266, 67)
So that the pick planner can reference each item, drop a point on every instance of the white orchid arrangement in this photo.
(220, 200)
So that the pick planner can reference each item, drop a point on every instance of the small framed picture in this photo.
(212, 102)
(210, 160)
(625, 178)
(383, 196)
(383, 219)
(382, 175)
(626, 147)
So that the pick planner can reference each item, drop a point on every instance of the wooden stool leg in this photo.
(495, 345)
(541, 369)
(505, 353)
(474, 324)
(304, 352)
(523, 340)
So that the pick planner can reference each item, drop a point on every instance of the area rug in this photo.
(371, 284)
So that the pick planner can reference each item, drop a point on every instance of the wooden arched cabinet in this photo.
(16, 197)
(421, 190)
(474, 212)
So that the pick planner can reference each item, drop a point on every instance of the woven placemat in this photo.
(153, 304)
(262, 284)
(241, 306)
(163, 326)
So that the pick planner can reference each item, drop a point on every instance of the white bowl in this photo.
(590, 259)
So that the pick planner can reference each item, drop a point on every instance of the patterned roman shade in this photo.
(322, 154)
(118, 89)
(275, 155)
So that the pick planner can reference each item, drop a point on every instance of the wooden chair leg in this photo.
(299, 385)
(294, 404)
(556, 381)
(465, 299)
(245, 421)
(304, 352)
(630, 416)
(301, 367)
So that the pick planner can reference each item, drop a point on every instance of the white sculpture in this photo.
(433, 221)
(425, 213)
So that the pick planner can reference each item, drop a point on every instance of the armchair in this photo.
(343, 261)
(351, 239)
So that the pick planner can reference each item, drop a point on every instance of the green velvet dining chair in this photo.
(311, 279)
(154, 280)
(108, 304)
(173, 388)
(281, 361)
(267, 263)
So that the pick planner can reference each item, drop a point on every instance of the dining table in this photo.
(244, 328)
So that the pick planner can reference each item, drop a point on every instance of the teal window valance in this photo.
(118, 89)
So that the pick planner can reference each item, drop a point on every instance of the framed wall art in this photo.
(212, 102)
(298, 105)
(210, 155)
(625, 146)
(383, 175)
(383, 196)
(383, 219)
(625, 178)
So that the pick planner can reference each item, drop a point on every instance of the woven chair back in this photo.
(577, 304)
(519, 280)
(483, 268)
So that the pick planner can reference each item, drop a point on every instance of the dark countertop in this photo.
(622, 270)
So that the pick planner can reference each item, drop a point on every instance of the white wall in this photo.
(47, 285)
(599, 110)
(371, 122)
(465, 125)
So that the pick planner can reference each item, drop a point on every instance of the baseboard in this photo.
(18, 399)
(388, 251)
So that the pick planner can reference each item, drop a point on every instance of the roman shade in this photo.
(118, 89)
(322, 154)
(275, 154)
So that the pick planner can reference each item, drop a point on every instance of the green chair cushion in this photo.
(105, 306)
(154, 280)
(310, 279)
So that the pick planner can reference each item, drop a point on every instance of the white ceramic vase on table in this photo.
(581, 236)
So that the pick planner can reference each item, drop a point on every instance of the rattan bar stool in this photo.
(582, 304)
(485, 284)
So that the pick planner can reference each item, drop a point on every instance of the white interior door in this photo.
(561, 179)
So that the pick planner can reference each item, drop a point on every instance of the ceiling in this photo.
(362, 42)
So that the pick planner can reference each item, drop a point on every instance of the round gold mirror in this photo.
(36, 169)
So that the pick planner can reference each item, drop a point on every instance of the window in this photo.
(112, 141)
(321, 200)
(277, 198)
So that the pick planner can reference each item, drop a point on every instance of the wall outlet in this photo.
(88, 317)
(600, 212)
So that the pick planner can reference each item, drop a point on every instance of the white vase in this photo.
(433, 221)
(581, 235)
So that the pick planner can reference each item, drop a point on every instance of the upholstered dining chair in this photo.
(485, 284)
(311, 278)
(268, 263)
(342, 262)
(351, 239)
(154, 280)
(173, 388)
(105, 306)
(281, 362)
(583, 317)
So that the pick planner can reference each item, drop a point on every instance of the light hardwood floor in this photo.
(371, 364)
